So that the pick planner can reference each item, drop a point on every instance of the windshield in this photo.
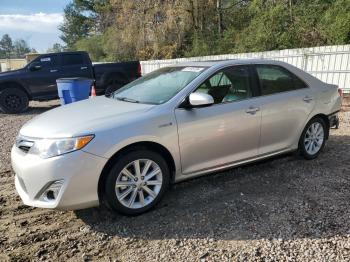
(159, 86)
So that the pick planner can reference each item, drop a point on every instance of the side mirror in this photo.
(35, 66)
(200, 99)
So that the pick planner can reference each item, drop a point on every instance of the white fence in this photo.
(331, 64)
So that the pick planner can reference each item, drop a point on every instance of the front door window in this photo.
(228, 85)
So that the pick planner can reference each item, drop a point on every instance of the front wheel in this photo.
(313, 138)
(137, 182)
(13, 100)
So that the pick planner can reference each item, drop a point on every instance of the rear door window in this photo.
(275, 79)
(72, 59)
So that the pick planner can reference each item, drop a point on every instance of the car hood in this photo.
(4, 75)
(84, 117)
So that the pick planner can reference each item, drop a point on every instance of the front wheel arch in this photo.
(153, 146)
(4, 85)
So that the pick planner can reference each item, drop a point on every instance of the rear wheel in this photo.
(110, 90)
(112, 86)
(13, 100)
(137, 182)
(313, 138)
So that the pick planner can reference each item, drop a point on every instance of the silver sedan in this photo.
(173, 124)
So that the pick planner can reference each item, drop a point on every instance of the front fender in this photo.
(162, 131)
(14, 83)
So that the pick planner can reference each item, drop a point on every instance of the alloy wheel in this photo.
(313, 139)
(13, 101)
(139, 183)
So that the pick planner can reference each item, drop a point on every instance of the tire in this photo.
(112, 86)
(110, 89)
(313, 138)
(132, 194)
(13, 100)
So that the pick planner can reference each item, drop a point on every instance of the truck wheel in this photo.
(112, 88)
(113, 85)
(13, 100)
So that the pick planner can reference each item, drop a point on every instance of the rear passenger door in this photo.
(286, 102)
(75, 65)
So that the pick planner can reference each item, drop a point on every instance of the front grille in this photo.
(24, 144)
(24, 148)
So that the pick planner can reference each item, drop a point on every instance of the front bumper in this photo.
(78, 172)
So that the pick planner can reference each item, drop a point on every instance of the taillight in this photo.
(340, 92)
(139, 72)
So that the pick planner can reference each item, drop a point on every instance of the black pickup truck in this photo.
(37, 80)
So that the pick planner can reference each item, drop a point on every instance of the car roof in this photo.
(222, 63)
(64, 53)
(226, 62)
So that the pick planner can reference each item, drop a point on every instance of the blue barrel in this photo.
(71, 90)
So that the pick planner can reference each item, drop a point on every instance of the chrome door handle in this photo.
(83, 67)
(252, 110)
(307, 99)
(53, 70)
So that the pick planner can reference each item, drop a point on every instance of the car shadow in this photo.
(286, 197)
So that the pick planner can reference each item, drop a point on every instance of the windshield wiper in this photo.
(125, 99)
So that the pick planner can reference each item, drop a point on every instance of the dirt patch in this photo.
(277, 210)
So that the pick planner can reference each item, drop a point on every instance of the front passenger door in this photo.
(227, 131)
(42, 82)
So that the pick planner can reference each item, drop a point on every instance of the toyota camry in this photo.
(170, 125)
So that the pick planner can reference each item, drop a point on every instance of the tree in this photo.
(75, 26)
(335, 24)
(6, 45)
(13, 49)
(93, 45)
(56, 48)
(156, 29)
(20, 48)
(83, 18)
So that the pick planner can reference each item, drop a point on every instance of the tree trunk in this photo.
(219, 15)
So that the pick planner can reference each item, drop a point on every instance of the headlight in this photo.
(47, 148)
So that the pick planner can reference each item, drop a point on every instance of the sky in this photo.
(35, 21)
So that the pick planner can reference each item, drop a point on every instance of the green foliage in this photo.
(56, 48)
(93, 46)
(13, 49)
(113, 30)
(336, 23)
(20, 48)
(83, 18)
(75, 26)
(6, 46)
(202, 45)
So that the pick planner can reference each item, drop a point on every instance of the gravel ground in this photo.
(285, 209)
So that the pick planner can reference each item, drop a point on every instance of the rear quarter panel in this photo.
(326, 97)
